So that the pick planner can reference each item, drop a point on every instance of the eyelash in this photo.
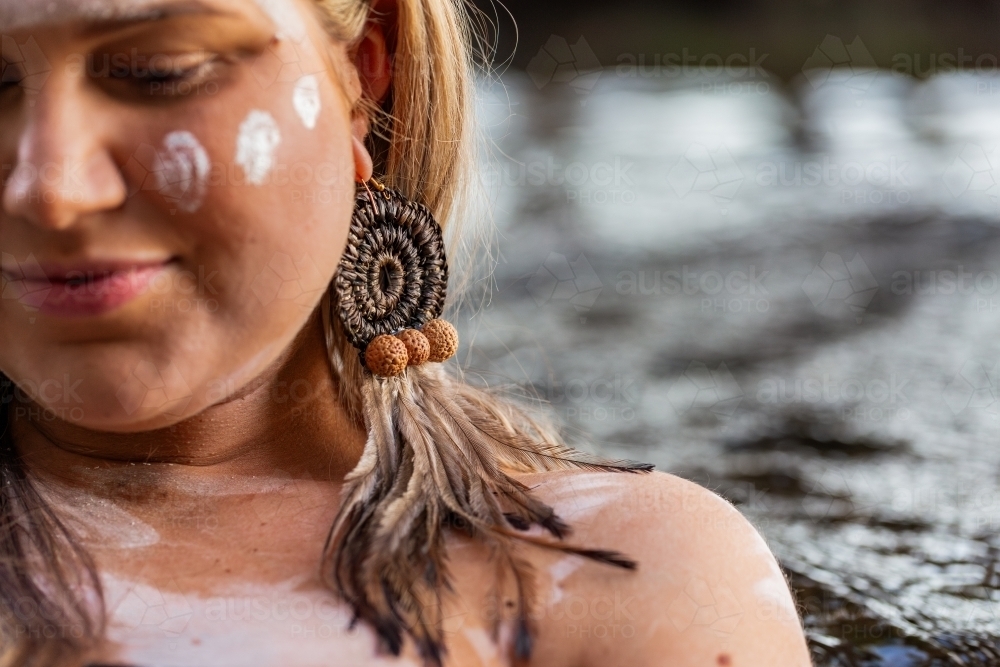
(168, 81)
(192, 77)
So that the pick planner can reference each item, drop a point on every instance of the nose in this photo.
(64, 169)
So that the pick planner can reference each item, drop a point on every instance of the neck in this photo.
(288, 421)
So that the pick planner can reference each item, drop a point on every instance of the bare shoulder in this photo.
(707, 590)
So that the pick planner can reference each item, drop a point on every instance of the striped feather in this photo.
(440, 456)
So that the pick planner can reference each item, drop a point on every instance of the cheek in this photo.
(285, 206)
(275, 201)
(274, 217)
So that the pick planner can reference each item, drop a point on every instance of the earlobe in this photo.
(363, 167)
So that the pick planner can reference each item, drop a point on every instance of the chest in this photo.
(244, 589)
(280, 625)
(185, 620)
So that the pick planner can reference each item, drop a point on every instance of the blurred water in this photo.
(790, 295)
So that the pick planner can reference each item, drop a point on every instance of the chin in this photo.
(113, 390)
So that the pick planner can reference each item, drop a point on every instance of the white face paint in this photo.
(185, 170)
(305, 99)
(255, 145)
(559, 571)
(286, 18)
(178, 170)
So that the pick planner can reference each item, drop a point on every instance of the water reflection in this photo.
(790, 295)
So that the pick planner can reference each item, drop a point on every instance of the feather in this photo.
(440, 455)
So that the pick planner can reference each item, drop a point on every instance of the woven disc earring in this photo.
(391, 284)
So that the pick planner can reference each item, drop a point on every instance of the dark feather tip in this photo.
(522, 640)
(609, 557)
(391, 636)
(516, 522)
(556, 526)
(432, 652)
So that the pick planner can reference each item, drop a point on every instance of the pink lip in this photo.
(84, 289)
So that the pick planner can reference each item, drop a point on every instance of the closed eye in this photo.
(156, 76)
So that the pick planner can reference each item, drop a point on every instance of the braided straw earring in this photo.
(391, 285)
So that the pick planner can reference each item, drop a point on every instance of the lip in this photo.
(83, 289)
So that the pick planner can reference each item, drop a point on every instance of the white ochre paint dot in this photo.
(256, 142)
(305, 99)
(185, 170)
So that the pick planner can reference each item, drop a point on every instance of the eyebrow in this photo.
(129, 16)
(101, 16)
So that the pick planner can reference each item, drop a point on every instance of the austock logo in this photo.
(975, 170)
(713, 607)
(835, 286)
(178, 171)
(149, 387)
(975, 388)
(561, 279)
(24, 64)
(165, 610)
(288, 279)
(30, 294)
(701, 388)
(558, 61)
(709, 171)
(834, 62)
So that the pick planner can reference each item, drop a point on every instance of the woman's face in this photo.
(177, 183)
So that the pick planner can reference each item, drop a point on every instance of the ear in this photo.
(372, 58)
(373, 52)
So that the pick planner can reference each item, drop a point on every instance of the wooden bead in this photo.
(418, 348)
(443, 339)
(386, 356)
